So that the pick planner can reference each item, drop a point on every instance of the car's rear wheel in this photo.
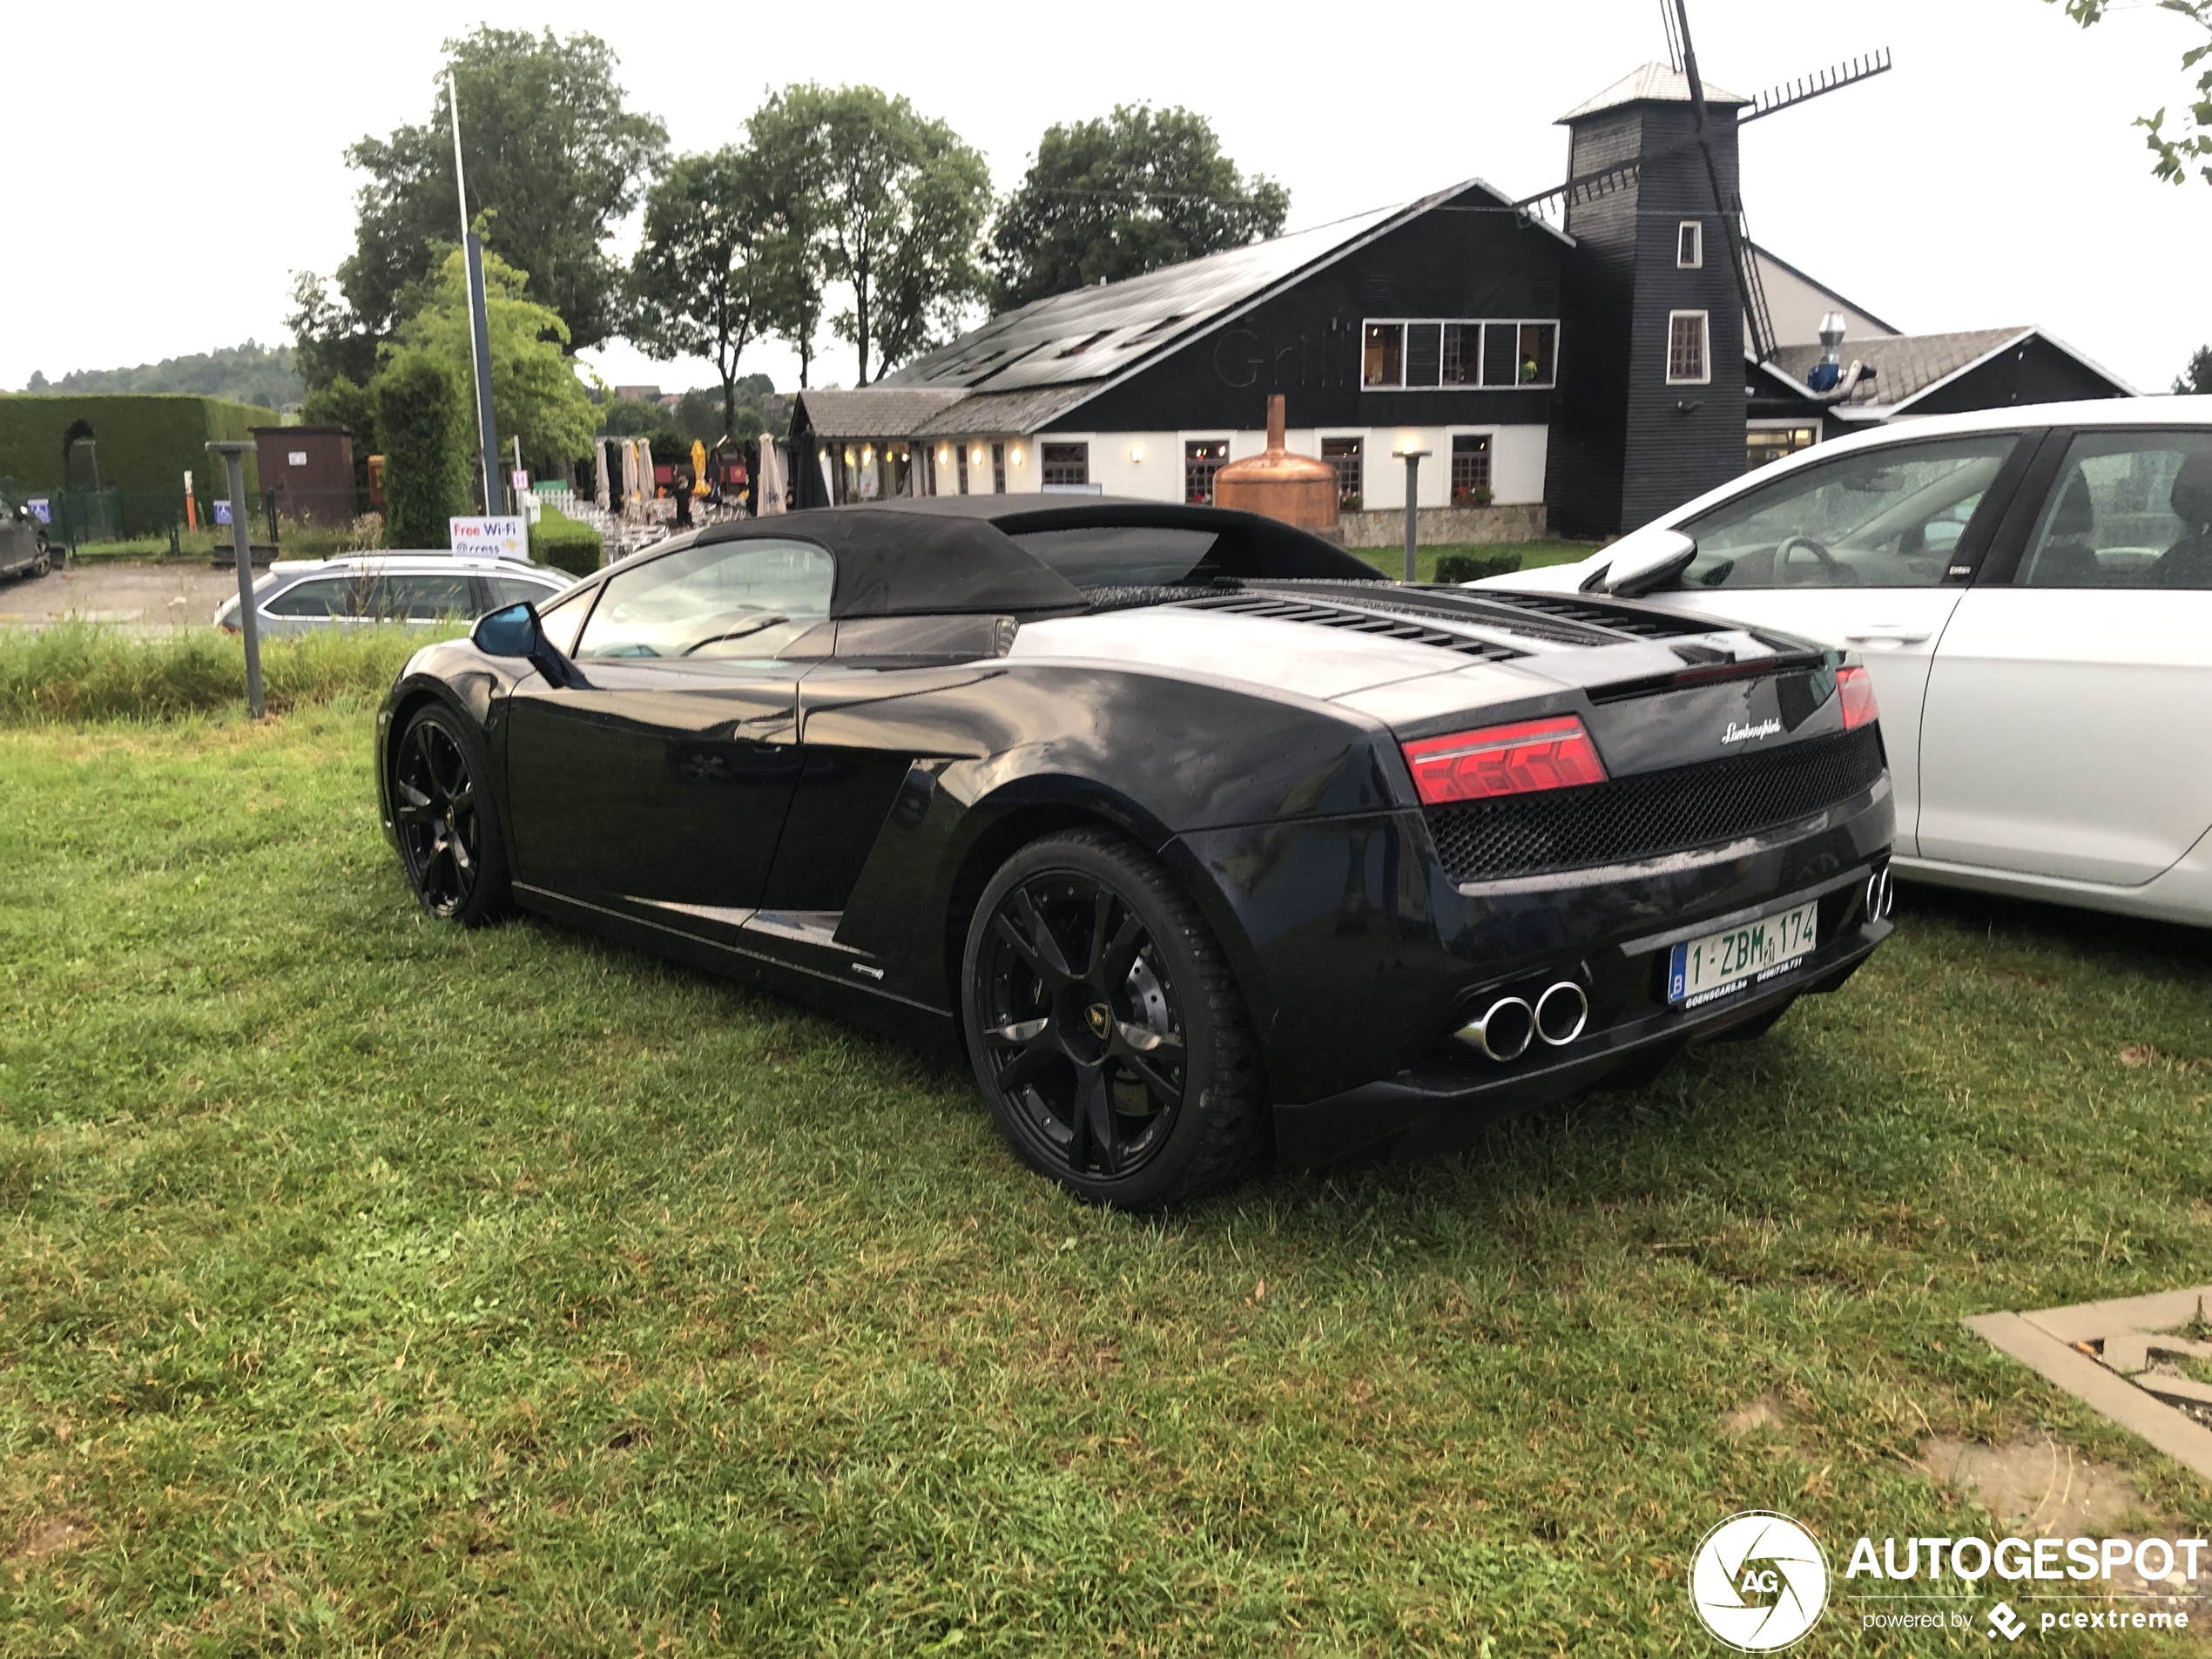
(1105, 1025)
(448, 833)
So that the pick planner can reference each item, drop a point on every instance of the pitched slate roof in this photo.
(1043, 359)
(1907, 367)
(875, 411)
(1653, 83)
(1904, 365)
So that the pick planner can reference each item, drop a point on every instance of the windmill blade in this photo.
(1728, 208)
(1791, 93)
(1584, 187)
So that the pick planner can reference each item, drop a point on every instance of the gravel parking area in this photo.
(136, 597)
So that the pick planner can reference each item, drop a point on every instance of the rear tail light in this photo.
(1513, 760)
(1856, 686)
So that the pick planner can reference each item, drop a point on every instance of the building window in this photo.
(1765, 443)
(1417, 354)
(1470, 470)
(962, 452)
(1463, 353)
(1201, 459)
(1689, 245)
(1688, 362)
(1065, 464)
(1383, 363)
(998, 469)
(1344, 455)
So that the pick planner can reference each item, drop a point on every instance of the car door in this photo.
(1869, 552)
(2068, 728)
(426, 598)
(320, 601)
(657, 787)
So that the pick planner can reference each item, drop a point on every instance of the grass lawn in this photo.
(1391, 561)
(370, 1285)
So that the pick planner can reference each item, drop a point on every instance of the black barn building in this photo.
(1577, 379)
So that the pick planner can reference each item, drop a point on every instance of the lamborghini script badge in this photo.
(1739, 733)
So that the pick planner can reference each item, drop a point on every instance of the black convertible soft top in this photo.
(957, 553)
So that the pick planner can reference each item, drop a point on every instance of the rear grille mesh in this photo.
(1657, 812)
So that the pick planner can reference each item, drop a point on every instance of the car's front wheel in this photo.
(448, 833)
(1105, 1025)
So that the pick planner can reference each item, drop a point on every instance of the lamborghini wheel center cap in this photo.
(1101, 1018)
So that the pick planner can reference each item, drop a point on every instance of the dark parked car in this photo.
(1197, 834)
(24, 549)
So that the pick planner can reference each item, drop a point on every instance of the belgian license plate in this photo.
(1703, 969)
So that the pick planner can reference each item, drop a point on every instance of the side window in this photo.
(1887, 517)
(513, 590)
(328, 597)
(742, 599)
(426, 598)
(2131, 509)
(564, 620)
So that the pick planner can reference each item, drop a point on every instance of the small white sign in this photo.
(501, 537)
(296, 458)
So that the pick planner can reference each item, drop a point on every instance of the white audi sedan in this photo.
(2032, 591)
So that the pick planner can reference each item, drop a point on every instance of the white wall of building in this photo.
(1148, 466)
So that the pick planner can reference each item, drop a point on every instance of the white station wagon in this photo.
(414, 589)
(2032, 592)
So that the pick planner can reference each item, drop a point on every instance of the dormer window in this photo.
(1689, 245)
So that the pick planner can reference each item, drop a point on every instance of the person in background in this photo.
(679, 485)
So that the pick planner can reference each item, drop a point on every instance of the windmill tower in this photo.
(1665, 287)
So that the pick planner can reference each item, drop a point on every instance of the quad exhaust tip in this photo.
(1506, 1029)
(1562, 1012)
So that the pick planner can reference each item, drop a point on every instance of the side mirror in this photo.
(514, 631)
(1647, 561)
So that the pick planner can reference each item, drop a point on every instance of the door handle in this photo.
(1903, 634)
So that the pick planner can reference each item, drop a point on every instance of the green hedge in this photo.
(1456, 568)
(422, 420)
(559, 541)
(147, 441)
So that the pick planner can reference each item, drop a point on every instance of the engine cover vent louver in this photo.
(1651, 813)
(1620, 619)
(1277, 609)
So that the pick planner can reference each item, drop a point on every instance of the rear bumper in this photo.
(1361, 961)
(1454, 1092)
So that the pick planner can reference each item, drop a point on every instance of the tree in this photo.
(424, 422)
(1118, 196)
(2196, 380)
(534, 394)
(2193, 144)
(551, 154)
(714, 269)
(880, 200)
(329, 343)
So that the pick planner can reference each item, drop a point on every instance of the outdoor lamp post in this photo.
(1413, 459)
(233, 456)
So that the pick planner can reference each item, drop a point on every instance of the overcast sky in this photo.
(175, 164)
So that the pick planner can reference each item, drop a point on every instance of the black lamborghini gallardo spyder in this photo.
(1198, 836)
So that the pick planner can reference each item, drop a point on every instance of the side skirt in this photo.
(791, 954)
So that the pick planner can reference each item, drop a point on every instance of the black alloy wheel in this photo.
(448, 833)
(1105, 1028)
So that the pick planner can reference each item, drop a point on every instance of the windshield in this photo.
(1884, 517)
(723, 599)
